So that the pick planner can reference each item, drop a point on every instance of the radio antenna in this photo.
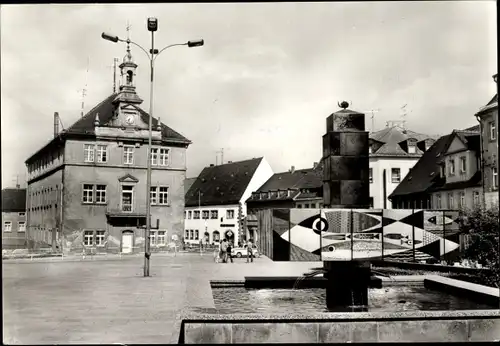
(84, 90)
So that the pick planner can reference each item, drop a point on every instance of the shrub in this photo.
(481, 226)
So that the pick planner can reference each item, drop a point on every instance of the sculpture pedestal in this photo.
(347, 288)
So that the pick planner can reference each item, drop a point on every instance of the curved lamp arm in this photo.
(171, 45)
(137, 45)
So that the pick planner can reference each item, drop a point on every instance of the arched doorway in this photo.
(127, 241)
(229, 235)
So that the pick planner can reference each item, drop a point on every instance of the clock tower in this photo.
(127, 100)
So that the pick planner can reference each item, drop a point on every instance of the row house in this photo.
(87, 186)
(14, 218)
(215, 203)
(488, 119)
(447, 176)
(393, 153)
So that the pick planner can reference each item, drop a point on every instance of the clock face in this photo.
(129, 119)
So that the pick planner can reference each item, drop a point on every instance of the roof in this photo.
(188, 182)
(222, 184)
(391, 137)
(85, 125)
(474, 181)
(14, 200)
(301, 179)
(425, 175)
(490, 105)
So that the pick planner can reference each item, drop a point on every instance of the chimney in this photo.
(315, 164)
(292, 169)
(56, 124)
(211, 165)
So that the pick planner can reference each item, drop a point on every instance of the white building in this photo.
(215, 202)
(393, 153)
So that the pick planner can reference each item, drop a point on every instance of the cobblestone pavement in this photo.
(109, 301)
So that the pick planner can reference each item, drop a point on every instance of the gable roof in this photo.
(14, 200)
(425, 175)
(391, 137)
(188, 182)
(309, 178)
(490, 105)
(222, 184)
(85, 125)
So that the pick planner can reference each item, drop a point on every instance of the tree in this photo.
(481, 227)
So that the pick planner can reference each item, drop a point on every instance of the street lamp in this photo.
(152, 26)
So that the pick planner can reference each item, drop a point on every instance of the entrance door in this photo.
(127, 242)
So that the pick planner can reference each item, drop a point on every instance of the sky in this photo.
(264, 82)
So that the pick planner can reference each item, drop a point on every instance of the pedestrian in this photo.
(224, 245)
(250, 250)
(229, 250)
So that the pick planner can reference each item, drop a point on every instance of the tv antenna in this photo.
(405, 112)
(84, 90)
(372, 117)
(221, 152)
(115, 61)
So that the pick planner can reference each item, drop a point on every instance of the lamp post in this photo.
(152, 26)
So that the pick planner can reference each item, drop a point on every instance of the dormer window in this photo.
(412, 147)
(442, 171)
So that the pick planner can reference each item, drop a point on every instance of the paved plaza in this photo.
(109, 301)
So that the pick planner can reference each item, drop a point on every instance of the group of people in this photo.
(224, 252)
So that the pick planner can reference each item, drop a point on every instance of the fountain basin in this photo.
(406, 326)
(290, 281)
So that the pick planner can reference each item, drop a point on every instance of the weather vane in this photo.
(343, 104)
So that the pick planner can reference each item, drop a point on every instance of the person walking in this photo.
(229, 250)
(224, 245)
(249, 250)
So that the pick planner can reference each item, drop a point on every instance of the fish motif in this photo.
(315, 234)
(440, 220)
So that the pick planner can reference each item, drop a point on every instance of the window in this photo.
(88, 238)
(451, 201)
(205, 215)
(152, 237)
(299, 206)
(163, 159)
(128, 155)
(493, 131)
(186, 236)
(153, 194)
(21, 226)
(22, 214)
(371, 202)
(196, 234)
(216, 236)
(442, 171)
(154, 156)
(438, 201)
(100, 193)
(99, 238)
(370, 150)
(102, 153)
(196, 215)
(494, 172)
(7, 226)
(452, 166)
(230, 214)
(462, 200)
(476, 198)
(412, 148)
(396, 175)
(463, 164)
(89, 152)
(88, 193)
(163, 195)
(214, 214)
(306, 205)
(190, 214)
(371, 175)
(191, 234)
(161, 237)
(127, 197)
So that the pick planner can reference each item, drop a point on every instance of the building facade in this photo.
(14, 219)
(87, 186)
(488, 119)
(447, 176)
(215, 203)
(393, 153)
